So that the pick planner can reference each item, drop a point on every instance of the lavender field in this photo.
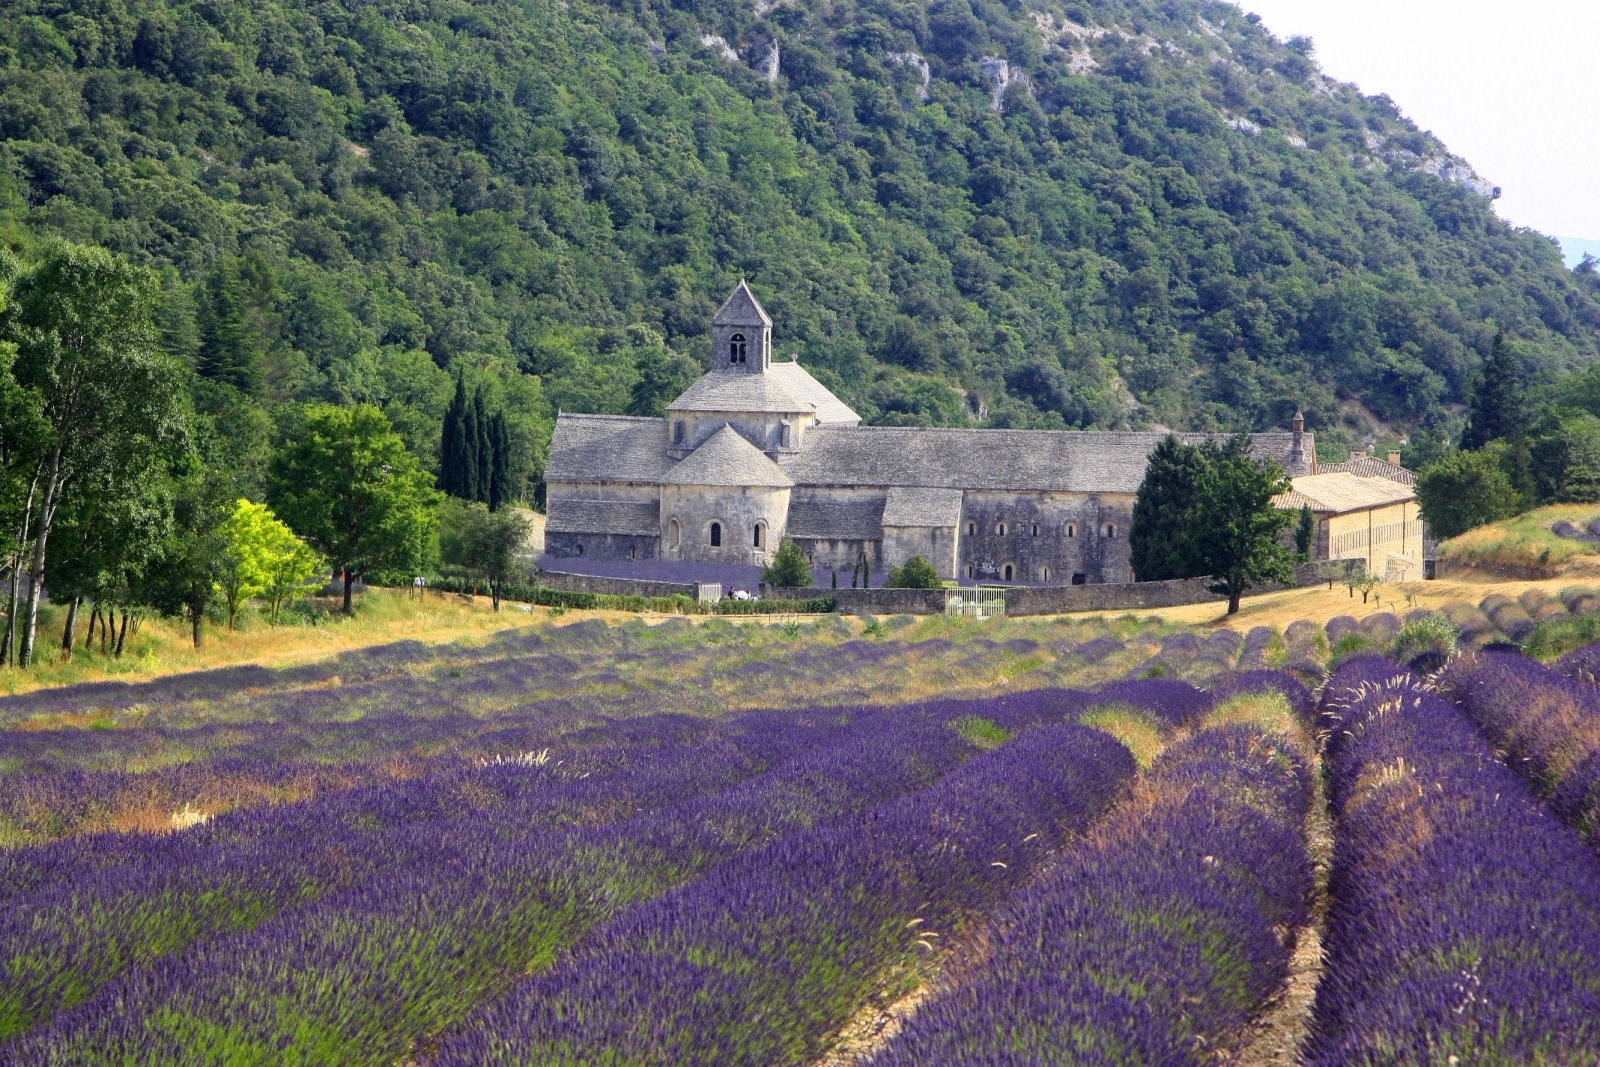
(795, 842)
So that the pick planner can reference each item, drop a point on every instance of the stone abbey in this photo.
(757, 450)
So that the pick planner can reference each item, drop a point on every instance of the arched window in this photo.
(674, 534)
(716, 535)
(1108, 530)
(758, 536)
(971, 571)
(1006, 572)
(736, 348)
(580, 548)
(1070, 529)
(1044, 574)
(972, 529)
(1000, 528)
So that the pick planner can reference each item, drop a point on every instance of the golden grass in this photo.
(1524, 540)
(163, 646)
(1138, 733)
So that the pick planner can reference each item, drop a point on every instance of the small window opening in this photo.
(972, 529)
(633, 551)
(736, 348)
(716, 535)
(580, 548)
(674, 534)
(971, 571)
(1079, 579)
(755, 535)
(1000, 528)
(1008, 572)
(1109, 530)
(1044, 574)
(1035, 529)
(1072, 529)
(677, 431)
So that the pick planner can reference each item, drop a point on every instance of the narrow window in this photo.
(1071, 529)
(970, 571)
(1000, 528)
(674, 534)
(1008, 572)
(736, 348)
(755, 535)
(1108, 530)
(1044, 575)
(677, 431)
(972, 531)
(580, 548)
(1036, 529)
(716, 535)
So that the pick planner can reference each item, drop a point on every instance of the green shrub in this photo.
(915, 573)
(1430, 633)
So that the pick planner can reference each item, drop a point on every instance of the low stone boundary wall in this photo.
(594, 583)
(1020, 599)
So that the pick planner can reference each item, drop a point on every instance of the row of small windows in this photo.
(1008, 573)
(1068, 529)
(758, 534)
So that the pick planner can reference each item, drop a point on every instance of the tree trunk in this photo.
(494, 594)
(68, 634)
(122, 633)
(88, 637)
(8, 650)
(348, 582)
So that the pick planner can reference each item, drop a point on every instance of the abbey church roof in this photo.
(727, 459)
(784, 388)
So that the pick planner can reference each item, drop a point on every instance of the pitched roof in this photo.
(922, 507)
(726, 458)
(1341, 492)
(604, 517)
(1078, 461)
(835, 520)
(1368, 467)
(741, 309)
(721, 391)
(830, 409)
(607, 448)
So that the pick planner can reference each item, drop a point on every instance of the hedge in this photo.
(672, 605)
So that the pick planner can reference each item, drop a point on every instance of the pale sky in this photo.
(1512, 87)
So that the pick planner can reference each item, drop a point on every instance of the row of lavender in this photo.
(375, 920)
(397, 714)
(1464, 923)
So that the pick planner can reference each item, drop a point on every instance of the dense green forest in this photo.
(1007, 212)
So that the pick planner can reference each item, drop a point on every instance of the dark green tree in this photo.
(1229, 528)
(345, 482)
(1171, 483)
(1464, 490)
(788, 568)
(1564, 457)
(915, 573)
(1499, 407)
(1304, 528)
(491, 546)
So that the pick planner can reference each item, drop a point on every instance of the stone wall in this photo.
(593, 583)
(601, 546)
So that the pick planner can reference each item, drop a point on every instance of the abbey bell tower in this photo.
(741, 335)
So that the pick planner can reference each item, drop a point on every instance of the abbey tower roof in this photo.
(741, 309)
(727, 459)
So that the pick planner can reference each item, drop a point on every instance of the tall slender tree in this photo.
(1499, 408)
(82, 322)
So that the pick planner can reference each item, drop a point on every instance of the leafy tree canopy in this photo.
(914, 573)
(788, 568)
(1464, 490)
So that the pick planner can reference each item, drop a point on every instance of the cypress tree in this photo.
(471, 447)
(500, 466)
(1499, 402)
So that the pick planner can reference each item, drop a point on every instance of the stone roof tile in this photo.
(726, 459)
(1341, 492)
(741, 309)
(830, 409)
(1367, 467)
(922, 507)
(604, 517)
(607, 448)
(721, 391)
(1076, 461)
(835, 520)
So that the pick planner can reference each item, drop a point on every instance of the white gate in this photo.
(984, 602)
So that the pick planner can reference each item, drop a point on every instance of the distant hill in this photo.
(1029, 214)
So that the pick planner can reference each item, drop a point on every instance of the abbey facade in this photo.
(756, 451)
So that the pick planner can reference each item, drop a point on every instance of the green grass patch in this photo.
(981, 732)
(1524, 540)
(1553, 638)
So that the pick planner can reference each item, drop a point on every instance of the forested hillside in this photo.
(1028, 213)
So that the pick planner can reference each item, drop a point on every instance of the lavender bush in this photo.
(1156, 944)
(1465, 923)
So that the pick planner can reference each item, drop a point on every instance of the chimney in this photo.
(1394, 457)
(1299, 463)
(1358, 453)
